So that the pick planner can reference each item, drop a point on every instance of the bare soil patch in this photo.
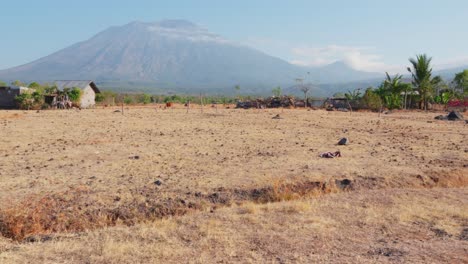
(77, 171)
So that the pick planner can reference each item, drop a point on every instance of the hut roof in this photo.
(81, 84)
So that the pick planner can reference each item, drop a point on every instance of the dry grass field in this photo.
(96, 186)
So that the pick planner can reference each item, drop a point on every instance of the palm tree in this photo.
(390, 91)
(422, 77)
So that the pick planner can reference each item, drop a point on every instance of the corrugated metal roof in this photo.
(61, 84)
(71, 84)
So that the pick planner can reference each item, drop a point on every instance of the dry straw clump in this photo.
(49, 214)
(75, 211)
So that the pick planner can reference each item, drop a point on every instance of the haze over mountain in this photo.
(179, 56)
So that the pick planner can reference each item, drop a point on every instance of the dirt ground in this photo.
(231, 186)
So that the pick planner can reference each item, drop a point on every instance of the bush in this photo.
(75, 94)
(372, 100)
(99, 97)
(392, 101)
(458, 103)
(30, 100)
(145, 99)
(128, 100)
(25, 101)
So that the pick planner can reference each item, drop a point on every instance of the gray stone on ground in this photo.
(454, 115)
(343, 141)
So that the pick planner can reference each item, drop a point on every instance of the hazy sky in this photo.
(368, 35)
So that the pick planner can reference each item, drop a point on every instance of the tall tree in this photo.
(305, 89)
(461, 81)
(34, 85)
(421, 72)
(18, 83)
(2, 83)
(393, 85)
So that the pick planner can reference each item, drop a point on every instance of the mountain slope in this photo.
(173, 54)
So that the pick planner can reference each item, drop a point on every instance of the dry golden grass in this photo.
(359, 227)
(235, 185)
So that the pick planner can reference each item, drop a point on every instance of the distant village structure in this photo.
(8, 94)
(55, 100)
(88, 88)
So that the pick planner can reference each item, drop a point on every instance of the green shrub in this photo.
(392, 101)
(75, 94)
(372, 100)
(25, 101)
(128, 100)
(99, 97)
(145, 99)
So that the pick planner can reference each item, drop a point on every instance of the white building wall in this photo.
(88, 97)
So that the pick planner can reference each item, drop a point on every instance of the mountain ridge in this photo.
(176, 55)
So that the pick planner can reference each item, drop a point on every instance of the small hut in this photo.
(88, 88)
(8, 94)
(336, 103)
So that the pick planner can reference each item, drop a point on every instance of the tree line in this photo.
(423, 90)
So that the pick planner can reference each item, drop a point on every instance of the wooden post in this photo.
(201, 103)
(381, 107)
(350, 108)
(123, 99)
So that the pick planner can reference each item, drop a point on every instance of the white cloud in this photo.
(192, 34)
(359, 58)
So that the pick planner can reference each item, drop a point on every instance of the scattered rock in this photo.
(387, 252)
(37, 238)
(464, 234)
(440, 117)
(134, 157)
(454, 115)
(158, 182)
(277, 117)
(117, 111)
(343, 141)
(343, 184)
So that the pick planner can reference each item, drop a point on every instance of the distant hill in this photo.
(177, 56)
(449, 74)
